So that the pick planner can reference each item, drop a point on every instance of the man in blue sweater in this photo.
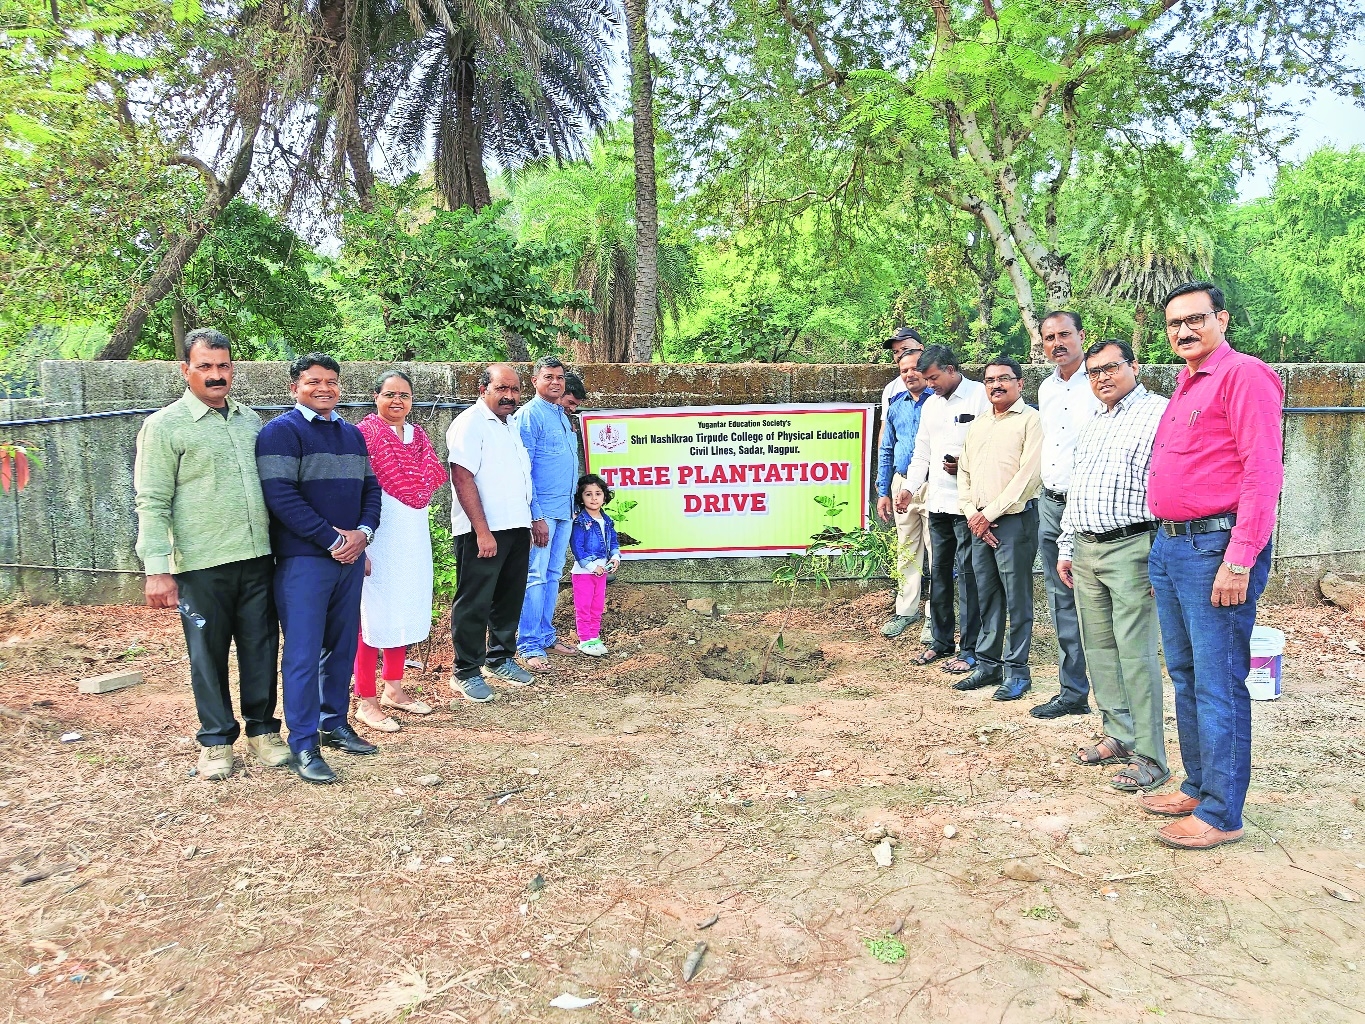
(324, 505)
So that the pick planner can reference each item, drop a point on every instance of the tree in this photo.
(447, 288)
(646, 181)
(982, 108)
(588, 207)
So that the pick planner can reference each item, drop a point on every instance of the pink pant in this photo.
(366, 659)
(589, 598)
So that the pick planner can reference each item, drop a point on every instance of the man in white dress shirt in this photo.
(490, 474)
(1066, 402)
(944, 421)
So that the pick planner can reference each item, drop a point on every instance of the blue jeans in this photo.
(319, 604)
(536, 630)
(1208, 656)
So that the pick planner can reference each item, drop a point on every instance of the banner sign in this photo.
(730, 480)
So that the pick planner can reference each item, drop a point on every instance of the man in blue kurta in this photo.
(324, 503)
(548, 434)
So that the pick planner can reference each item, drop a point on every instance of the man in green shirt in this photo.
(204, 540)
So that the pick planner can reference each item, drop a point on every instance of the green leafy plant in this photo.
(619, 510)
(1041, 914)
(887, 951)
(443, 578)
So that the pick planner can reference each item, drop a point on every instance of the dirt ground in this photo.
(588, 826)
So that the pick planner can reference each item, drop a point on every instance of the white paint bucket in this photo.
(1267, 663)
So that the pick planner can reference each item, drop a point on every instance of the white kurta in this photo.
(395, 604)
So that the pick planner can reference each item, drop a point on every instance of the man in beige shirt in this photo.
(998, 479)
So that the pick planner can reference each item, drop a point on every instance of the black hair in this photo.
(573, 385)
(322, 359)
(209, 338)
(1006, 361)
(1100, 346)
(1075, 318)
(546, 362)
(938, 355)
(388, 375)
(905, 354)
(586, 480)
(1214, 293)
(485, 378)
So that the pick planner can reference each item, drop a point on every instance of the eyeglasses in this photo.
(988, 381)
(1107, 370)
(1194, 321)
(391, 395)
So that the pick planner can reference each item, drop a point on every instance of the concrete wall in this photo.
(78, 514)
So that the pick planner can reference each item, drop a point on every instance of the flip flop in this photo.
(966, 663)
(926, 656)
(537, 664)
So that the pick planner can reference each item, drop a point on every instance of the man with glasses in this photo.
(956, 403)
(998, 479)
(1066, 404)
(893, 501)
(1215, 479)
(1105, 541)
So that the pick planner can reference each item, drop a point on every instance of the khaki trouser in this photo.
(912, 547)
(1119, 633)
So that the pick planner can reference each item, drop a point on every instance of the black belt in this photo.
(1209, 524)
(1122, 533)
(1058, 496)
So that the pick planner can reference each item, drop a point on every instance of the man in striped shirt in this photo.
(1102, 552)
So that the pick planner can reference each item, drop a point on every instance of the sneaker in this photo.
(509, 672)
(593, 648)
(215, 763)
(474, 688)
(895, 625)
(269, 749)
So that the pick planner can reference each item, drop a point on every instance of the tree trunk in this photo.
(183, 246)
(646, 317)
(1139, 328)
(178, 328)
(363, 176)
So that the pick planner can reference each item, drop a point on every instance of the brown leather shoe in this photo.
(1170, 805)
(1192, 834)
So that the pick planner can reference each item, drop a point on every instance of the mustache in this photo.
(216, 382)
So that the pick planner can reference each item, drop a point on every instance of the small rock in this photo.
(702, 606)
(949, 831)
(1020, 871)
(499, 844)
(1345, 590)
(536, 884)
(1079, 848)
(314, 1004)
(703, 925)
(1106, 944)
(1076, 995)
(693, 963)
(429, 780)
(876, 833)
(528, 770)
(881, 853)
(825, 773)
(190, 851)
(445, 860)
(897, 928)
(71, 737)
(630, 730)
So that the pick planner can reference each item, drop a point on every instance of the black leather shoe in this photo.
(1056, 708)
(310, 767)
(1012, 689)
(980, 677)
(343, 737)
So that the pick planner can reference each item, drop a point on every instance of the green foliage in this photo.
(888, 950)
(445, 287)
(442, 561)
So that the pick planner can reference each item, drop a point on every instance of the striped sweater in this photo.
(315, 476)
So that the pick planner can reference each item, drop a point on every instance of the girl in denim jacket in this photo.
(595, 551)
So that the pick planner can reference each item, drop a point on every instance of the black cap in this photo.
(902, 334)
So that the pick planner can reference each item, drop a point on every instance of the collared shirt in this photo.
(199, 501)
(898, 437)
(550, 445)
(1066, 406)
(894, 387)
(311, 415)
(1001, 463)
(1219, 449)
(491, 449)
(1109, 481)
(943, 427)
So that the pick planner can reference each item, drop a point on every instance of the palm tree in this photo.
(646, 182)
(589, 208)
(515, 81)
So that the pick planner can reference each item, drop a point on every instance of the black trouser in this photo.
(951, 548)
(488, 597)
(1004, 584)
(218, 605)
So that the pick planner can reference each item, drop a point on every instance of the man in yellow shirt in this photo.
(998, 479)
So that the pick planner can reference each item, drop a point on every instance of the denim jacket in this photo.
(590, 542)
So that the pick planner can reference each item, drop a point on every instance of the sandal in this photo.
(1106, 751)
(384, 724)
(412, 707)
(961, 665)
(1142, 773)
(929, 654)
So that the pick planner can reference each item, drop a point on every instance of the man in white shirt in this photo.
(943, 425)
(1066, 403)
(490, 474)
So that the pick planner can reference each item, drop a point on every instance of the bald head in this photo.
(500, 389)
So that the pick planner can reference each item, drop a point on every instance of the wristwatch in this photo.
(369, 536)
(1238, 570)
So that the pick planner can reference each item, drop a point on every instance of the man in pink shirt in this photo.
(1215, 478)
